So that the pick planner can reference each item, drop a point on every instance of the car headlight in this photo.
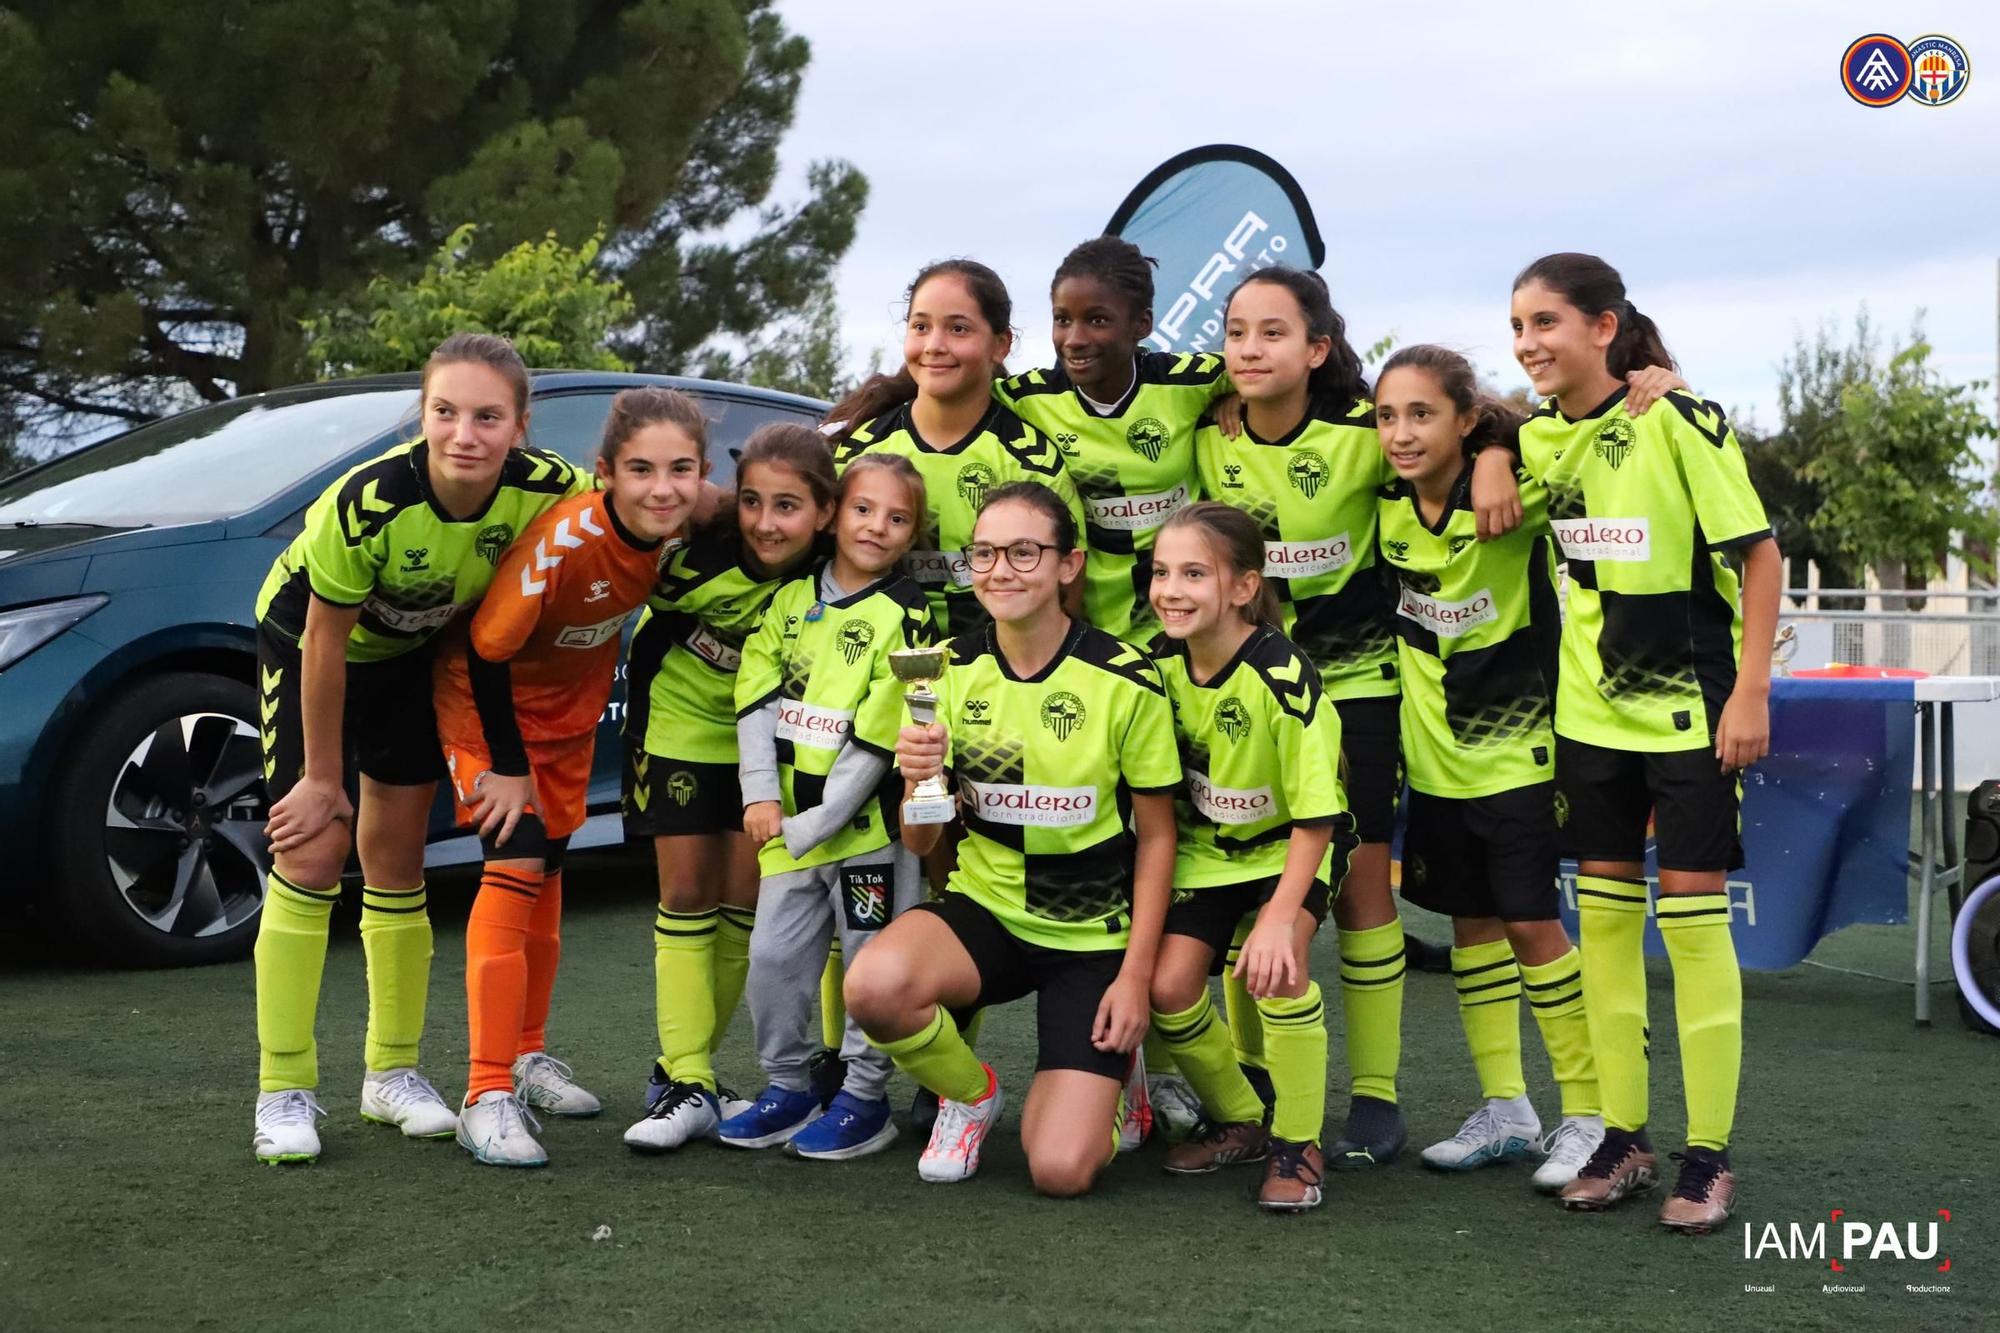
(26, 628)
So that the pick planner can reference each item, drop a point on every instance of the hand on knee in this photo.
(320, 862)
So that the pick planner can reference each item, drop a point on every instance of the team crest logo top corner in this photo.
(1939, 70)
(1875, 70)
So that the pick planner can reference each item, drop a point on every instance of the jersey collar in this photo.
(1118, 408)
(984, 424)
(1460, 498)
(1007, 670)
(420, 461)
(626, 534)
(1256, 636)
(1599, 410)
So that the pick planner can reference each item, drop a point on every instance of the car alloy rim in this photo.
(184, 828)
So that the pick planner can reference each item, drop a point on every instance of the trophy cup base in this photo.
(929, 810)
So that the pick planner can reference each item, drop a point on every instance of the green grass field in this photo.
(130, 1196)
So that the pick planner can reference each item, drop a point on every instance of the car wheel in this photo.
(160, 855)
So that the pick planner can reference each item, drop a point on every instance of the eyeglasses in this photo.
(1023, 555)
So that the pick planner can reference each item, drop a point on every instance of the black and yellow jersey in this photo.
(957, 477)
(680, 676)
(826, 664)
(1045, 769)
(1645, 511)
(1477, 624)
(378, 539)
(1313, 493)
(1133, 466)
(1260, 755)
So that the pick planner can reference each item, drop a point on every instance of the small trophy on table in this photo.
(931, 802)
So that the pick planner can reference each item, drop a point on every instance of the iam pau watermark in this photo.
(1843, 1242)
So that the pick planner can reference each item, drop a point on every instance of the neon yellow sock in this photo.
(684, 993)
(1246, 1028)
(396, 940)
(1555, 997)
(291, 954)
(1708, 1006)
(1371, 991)
(1295, 1053)
(1202, 1050)
(972, 1026)
(832, 1003)
(1611, 918)
(937, 1057)
(1159, 1056)
(732, 964)
(1489, 1006)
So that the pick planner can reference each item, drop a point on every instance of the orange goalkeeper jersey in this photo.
(558, 600)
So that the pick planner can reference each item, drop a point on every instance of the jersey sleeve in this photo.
(761, 674)
(1308, 751)
(1148, 758)
(343, 557)
(1718, 481)
(1534, 504)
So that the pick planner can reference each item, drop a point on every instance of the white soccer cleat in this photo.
(961, 1129)
(1176, 1108)
(1499, 1131)
(688, 1111)
(547, 1084)
(495, 1131)
(1569, 1145)
(404, 1098)
(1136, 1122)
(287, 1128)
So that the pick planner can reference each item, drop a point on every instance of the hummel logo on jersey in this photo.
(855, 636)
(1397, 550)
(1232, 719)
(1148, 436)
(1062, 713)
(1615, 441)
(414, 559)
(1232, 476)
(974, 480)
(599, 590)
(975, 713)
(1307, 472)
(1065, 441)
(791, 627)
(492, 540)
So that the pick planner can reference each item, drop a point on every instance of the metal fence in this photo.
(1956, 632)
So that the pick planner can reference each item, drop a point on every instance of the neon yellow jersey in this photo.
(378, 539)
(1260, 755)
(827, 666)
(1133, 466)
(957, 477)
(1477, 626)
(1313, 493)
(1645, 511)
(1045, 768)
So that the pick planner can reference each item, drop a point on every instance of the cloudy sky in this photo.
(1706, 149)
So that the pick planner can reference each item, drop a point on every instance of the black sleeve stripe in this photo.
(1743, 543)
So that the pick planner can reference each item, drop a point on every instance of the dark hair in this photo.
(1037, 496)
(650, 405)
(1115, 262)
(790, 445)
(898, 466)
(1498, 422)
(1339, 378)
(486, 349)
(878, 393)
(1593, 286)
(1239, 543)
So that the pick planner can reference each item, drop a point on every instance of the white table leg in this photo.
(1927, 850)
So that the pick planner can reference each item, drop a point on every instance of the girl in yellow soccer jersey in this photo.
(1264, 842)
(390, 554)
(1060, 742)
(1477, 624)
(681, 782)
(819, 711)
(1124, 417)
(1663, 700)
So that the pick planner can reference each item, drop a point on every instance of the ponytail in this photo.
(1593, 287)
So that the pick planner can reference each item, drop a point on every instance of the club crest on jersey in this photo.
(681, 786)
(1232, 719)
(1615, 440)
(1148, 437)
(1232, 476)
(854, 638)
(974, 480)
(1062, 713)
(976, 711)
(1307, 472)
(491, 541)
(413, 559)
(1939, 70)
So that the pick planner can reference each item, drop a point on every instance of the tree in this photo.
(187, 184)
(544, 297)
(803, 354)
(1812, 383)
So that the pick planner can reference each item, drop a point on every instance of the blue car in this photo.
(132, 799)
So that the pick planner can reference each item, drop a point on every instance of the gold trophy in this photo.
(931, 802)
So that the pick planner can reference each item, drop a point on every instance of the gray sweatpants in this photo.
(798, 914)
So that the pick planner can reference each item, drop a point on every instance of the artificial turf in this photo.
(130, 1197)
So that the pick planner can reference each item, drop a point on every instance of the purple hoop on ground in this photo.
(1961, 945)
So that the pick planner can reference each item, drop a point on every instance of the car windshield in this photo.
(214, 462)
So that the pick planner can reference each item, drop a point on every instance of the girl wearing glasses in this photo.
(1060, 742)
